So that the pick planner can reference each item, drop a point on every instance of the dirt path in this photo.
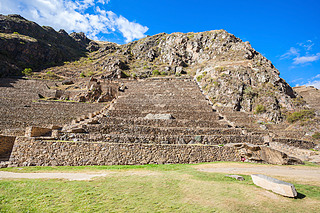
(68, 176)
(71, 175)
(301, 174)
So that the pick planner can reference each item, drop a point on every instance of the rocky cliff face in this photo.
(25, 44)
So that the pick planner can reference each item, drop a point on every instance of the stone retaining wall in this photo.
(164, 139)
(160, 123)
(125, 129)
(296, 143)
(28, 152)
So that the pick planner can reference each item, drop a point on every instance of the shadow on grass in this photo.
(300, 196)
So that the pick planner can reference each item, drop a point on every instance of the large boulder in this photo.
(275, 185)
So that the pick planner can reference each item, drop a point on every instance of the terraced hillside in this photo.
(311, 95)
(154, 121)
(20, 106)
(193, 120)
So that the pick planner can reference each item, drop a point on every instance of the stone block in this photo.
(91, 115)
(158, 116)
(93, 121)
(55, 133)
(77, 130)
(55, 127)
(6, 144)
(275, 185)
(237, 177)
(74, 122)
(37, 131)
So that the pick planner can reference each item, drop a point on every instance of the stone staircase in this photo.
(194, 121)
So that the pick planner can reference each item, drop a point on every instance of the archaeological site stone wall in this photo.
(30, 152)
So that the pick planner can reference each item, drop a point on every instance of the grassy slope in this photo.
(150, 188)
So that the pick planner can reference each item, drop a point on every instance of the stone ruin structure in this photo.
(95, 91)
(152, 121)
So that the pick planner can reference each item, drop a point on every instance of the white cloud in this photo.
(316, 84)
(307, 45)
(292, 52)
(317, 76)
(72, 16)
(103, 1)
(306, 59)
(130, 30)
(295, 80)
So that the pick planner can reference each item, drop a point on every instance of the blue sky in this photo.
(287, 32)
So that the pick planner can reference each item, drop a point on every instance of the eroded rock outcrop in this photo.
(25, 44)
(264, 154)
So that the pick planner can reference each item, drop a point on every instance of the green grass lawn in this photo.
(148, 188)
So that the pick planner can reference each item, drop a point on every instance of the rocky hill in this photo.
(230, 72)
(25, 44)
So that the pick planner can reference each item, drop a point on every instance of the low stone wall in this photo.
(160, 123)
(176, 114)
(28, 152)
(149, 130)
(296, 143)
(163, 139)
(6, 144)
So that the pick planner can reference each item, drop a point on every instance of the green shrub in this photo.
(190, 36)
(27, 71)
(220, 69)
(16, 33)
(51, 74)
(300, 116)
(259, 109)
(90, 73)
(199, 77)
(124, 74)
(249, 92)
(155, 72)
(316, 135)
(82, 75)
(164, 73)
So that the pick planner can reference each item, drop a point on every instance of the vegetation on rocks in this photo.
(302, 115)
(259, 109)
(316, 135)
(27, 71)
